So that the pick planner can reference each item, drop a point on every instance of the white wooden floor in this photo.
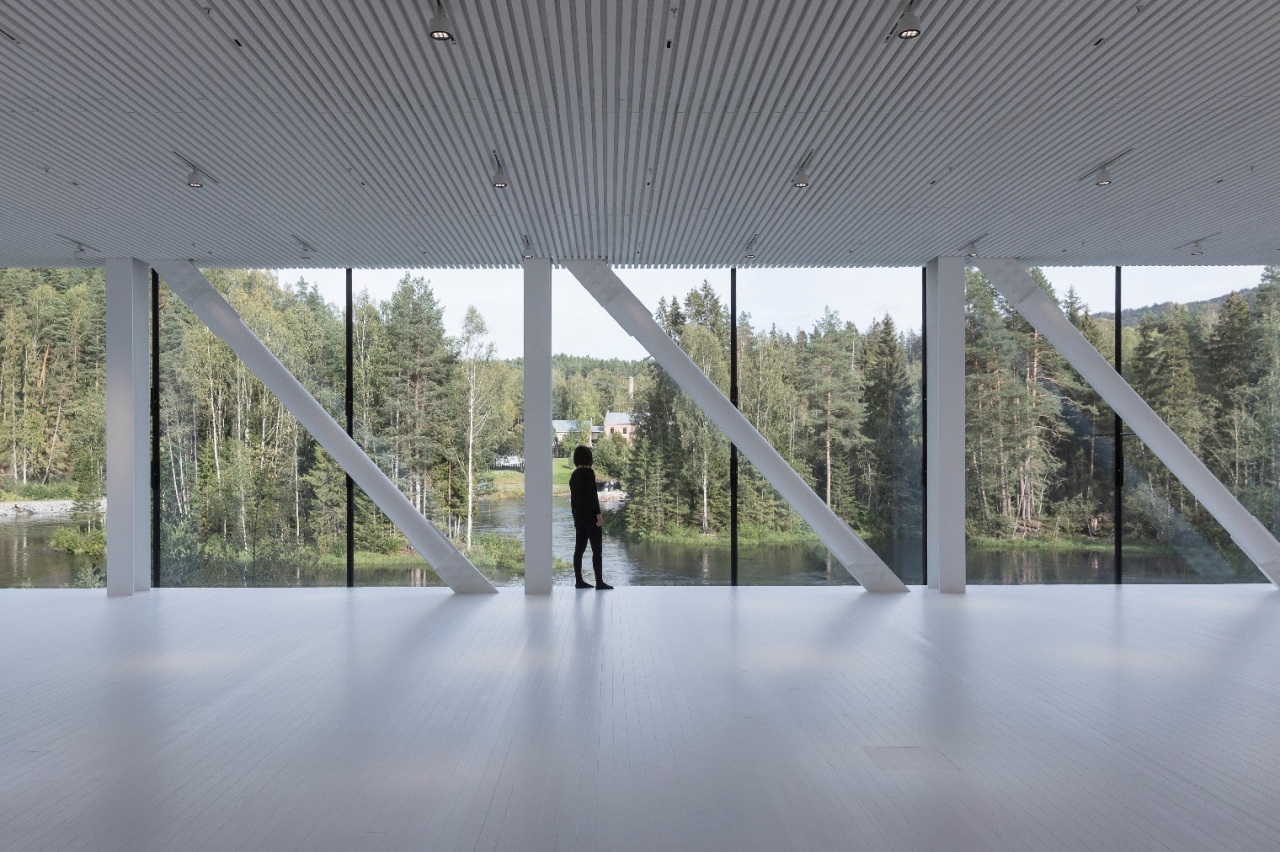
(1051, 717)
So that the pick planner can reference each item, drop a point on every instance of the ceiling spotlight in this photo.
(81, 251)
(1103, 177)
(528, 248)
(500, 176)
(751, 247)
(908, 25)
(973, 249)
(307, 251)
(195, 180)
(1196, 251)
(440, 27)
(801, 180)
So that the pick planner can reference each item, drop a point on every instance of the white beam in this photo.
(128, 419)
(945, 426)
(852, 552)
(193, 288)
(1020, 289)
(537, 426)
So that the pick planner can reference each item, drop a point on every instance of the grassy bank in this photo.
(1068, 545)
(715, 539)
(36, 491)
(509, 484)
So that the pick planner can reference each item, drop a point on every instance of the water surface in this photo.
(26, 559)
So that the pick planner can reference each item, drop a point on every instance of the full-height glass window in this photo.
(1202, 347)
(248, 498)
(1039, 441)
(830, 370)
(437, 407)
(52, 420)
(661, 464)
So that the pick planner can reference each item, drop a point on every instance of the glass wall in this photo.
(830, 373)
(52, 422)
(248, 498)
(1201, 347)
(829, 370)
(662, 465)
(1039, 442)
(437, 406)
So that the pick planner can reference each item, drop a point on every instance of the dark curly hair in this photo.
(582, 457)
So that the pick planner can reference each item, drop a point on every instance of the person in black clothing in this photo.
(587, 520)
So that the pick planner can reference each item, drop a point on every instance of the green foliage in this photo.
(497, 553)
(842, 406)
(40, 491)
(79, 540)
(610, 457)
(89, 577)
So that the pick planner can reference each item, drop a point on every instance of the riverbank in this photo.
(509, 485)
(38, 508)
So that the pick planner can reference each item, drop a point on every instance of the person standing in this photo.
(588, 523)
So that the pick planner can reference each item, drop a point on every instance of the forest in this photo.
(249, 498)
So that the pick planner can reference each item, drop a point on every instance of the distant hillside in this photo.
(1131, 316)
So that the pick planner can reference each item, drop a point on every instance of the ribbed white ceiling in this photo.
(343, 125)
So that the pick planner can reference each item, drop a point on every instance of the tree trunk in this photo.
(828, 448)
(471, 443)
(706, 514)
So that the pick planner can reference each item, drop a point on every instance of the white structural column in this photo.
(1017, 286)
(447, 561)
(537, 426)
(944, 427)
(852, 552)
(128, 419)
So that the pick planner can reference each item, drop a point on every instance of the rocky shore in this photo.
(27, 508)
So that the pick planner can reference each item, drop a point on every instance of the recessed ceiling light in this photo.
(1103, 177)
(908, 25)
(440, 27)
(195, 180)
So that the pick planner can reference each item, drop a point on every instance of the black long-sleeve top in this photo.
(583, 497)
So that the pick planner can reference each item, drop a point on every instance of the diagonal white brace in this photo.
(1020, 289)
(852, 552)
(193, 288)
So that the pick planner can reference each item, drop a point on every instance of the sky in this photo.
(787, 298)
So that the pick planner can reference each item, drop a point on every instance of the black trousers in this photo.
(591, 534)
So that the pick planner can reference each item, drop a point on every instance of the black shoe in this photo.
(602, 585)
(583, 584)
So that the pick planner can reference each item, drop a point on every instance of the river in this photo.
(26, 559)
